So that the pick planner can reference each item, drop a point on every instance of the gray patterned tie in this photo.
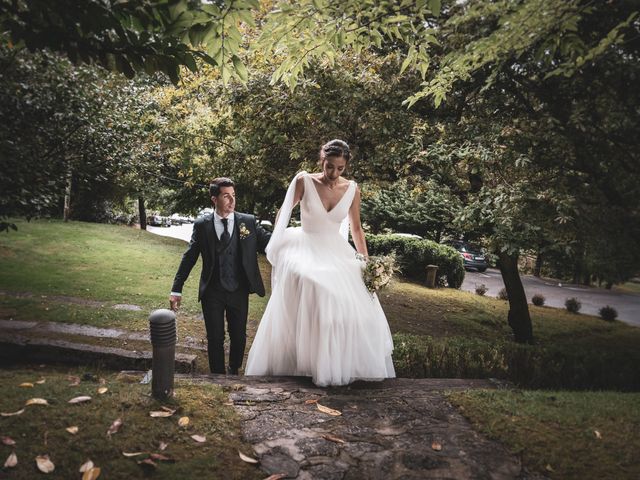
(225, 237)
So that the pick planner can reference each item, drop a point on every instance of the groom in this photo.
(228, 243)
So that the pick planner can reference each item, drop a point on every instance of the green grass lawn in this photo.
(41, 429)
(565, 435)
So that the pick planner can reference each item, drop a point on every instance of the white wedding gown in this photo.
(320, 321)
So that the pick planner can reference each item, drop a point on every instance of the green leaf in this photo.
(240, 68)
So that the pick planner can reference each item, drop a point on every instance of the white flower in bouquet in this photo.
(378, 271)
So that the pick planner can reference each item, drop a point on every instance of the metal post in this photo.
(162, 324)
(431, 275)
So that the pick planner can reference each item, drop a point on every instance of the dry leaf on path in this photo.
(183, 422)
(246, 458)
(163, 445)
(133, 454)
(11, 461)
(199, 438)
(597, 434)
(437, 446)
(311, 401)
(36, 401)
(328, 411)
(73, 380)
(276, 476)
(91, 474)
(80, 399)
(45, 465)
(167, 409)
(115, 426)
(8, 441)
(26, 385)
(331, 438)
(102, 390)
(88, 465)
(72, 430)
(19, 412)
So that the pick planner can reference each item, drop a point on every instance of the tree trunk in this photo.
(519, 318)
(538, 268)
(67, 197)
(142, 212)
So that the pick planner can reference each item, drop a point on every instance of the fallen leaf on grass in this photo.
(11, 461)
(437, 446)
(328, 411)
(19, 412)
(26, 385)
(91, 474)
(80, 399)
(147, 462)
(163, 445)
(73, 380)
(229, 404)
(246, 458)
(160, 457)
(36, 401)
(311, 401)
(549, 468)
(331, 438)
(160, 414)
(102, 390)
(88, 465)
(133, 454)
(41, 381)
(597, 434)
(115, 426)
(44, 464)
(199, 438)
(183, 422)
(167, 409)
(276, 476)
(72, 430)
(8, 441)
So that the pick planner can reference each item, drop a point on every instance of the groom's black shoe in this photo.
(232, 371)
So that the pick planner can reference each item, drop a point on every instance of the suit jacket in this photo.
(253, 239)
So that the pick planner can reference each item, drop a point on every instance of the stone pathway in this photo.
(387, 430)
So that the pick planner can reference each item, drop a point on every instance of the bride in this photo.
(321, 321)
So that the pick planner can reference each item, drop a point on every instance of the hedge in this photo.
(414, 255)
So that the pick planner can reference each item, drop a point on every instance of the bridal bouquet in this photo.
(378, 271)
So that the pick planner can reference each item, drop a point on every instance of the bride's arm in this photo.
(357, 233)
(297, 196)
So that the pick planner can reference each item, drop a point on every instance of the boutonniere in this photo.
(244, 231)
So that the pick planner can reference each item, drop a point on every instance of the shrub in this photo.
(573, 305)
(538, 300)
(414, 255)
(608, 313)
(530, 366)
(481, 289)
(502, 294)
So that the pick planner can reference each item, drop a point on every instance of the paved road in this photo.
(555, 293)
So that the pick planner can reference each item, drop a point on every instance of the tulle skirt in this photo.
(321, 321)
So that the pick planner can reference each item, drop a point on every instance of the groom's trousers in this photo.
(216, 302)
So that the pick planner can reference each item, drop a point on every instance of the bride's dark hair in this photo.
(335, 148)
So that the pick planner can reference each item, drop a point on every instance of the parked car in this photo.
(472, 256)
(407, 235)
(158, 221)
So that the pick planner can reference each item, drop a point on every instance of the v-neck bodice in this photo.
(313, 214)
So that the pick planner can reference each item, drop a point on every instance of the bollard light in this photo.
(162, 325)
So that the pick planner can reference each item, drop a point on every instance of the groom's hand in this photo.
(174, 302)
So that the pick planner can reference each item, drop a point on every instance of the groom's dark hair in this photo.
(217, 183)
